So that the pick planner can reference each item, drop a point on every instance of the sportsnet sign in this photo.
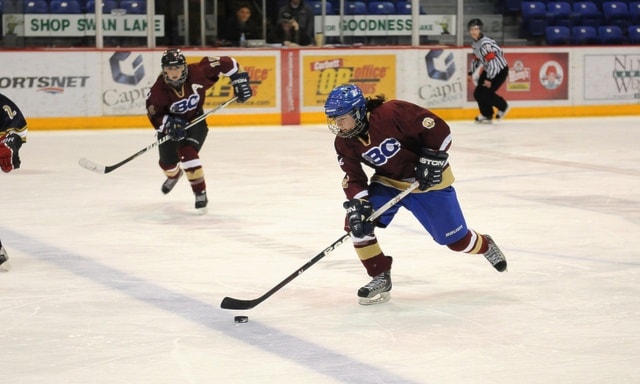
(61, 25)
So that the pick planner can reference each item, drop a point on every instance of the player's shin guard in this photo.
(193, 169)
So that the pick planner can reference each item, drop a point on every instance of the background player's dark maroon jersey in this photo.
(398, 130)
(187, 101)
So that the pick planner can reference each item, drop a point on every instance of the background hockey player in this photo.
(402, 142)
(177, 97)
(13, 133)
(494, 72)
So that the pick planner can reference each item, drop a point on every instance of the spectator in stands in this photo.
(239, 24)
(491, 69)
(296, 24)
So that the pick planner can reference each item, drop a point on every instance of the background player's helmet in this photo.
(345, 99)
(172, 57)
(474, 23)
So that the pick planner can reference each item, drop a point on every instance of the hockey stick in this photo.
(231, 303)
(99, 168)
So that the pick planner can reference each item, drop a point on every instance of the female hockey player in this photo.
(176, 98)
(402, 142)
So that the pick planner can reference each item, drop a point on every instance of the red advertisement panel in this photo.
(533, 76)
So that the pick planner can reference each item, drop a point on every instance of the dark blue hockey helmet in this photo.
(174, 58)
(342, 100)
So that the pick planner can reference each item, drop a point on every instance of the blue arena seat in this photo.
(355, 8)
(534, 18)
(584, 35)
(136, 7)
(634, 11)
(610, 34)
(633, 34)
(381, 8)
(36, 6)
(510, 7)
(586, 13)
(404, 8)
(107, 6)
(317, 7)
(616, 13)
(559, 13)
(65, 7)
(558, 35)
(12, 6)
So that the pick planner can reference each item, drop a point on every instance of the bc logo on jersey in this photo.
(382, 153)
(183, 105)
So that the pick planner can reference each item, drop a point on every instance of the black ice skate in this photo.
(501, 114)
(495, 255)
(377, 291)
(171, 182)
(482, 120)
(201, 202)
(3, 255)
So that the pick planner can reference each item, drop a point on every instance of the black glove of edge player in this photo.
(429, 168)
(174, 127)
(241, 88)
(358, 210)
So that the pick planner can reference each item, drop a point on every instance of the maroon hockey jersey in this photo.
(187, 101)
(398, 130)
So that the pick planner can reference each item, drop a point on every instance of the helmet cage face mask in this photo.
(343, 100)
(360, 125)
(174, 58)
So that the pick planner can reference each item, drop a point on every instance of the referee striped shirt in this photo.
(490, 55)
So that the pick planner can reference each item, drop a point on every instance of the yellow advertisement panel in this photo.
(262, 78)
(374, 74)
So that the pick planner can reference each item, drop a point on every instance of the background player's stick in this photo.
(99, 168)
(231, 303)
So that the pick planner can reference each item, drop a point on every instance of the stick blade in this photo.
(92, 166)
(231, 303)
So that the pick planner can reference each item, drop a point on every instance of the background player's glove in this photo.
(9, 146)
(430, 166)
(357, 212)
(241, 88)
(174, 127)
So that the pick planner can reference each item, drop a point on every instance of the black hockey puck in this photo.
(241, 319)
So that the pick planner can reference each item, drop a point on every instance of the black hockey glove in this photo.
(174, 127)
(9, 146)
(241, 88)
(430, 166)
(358, 210)
(473, 66)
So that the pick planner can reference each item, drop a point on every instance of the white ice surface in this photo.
(113, 282)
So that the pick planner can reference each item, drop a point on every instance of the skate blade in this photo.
(379, 299)
(201, 211)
